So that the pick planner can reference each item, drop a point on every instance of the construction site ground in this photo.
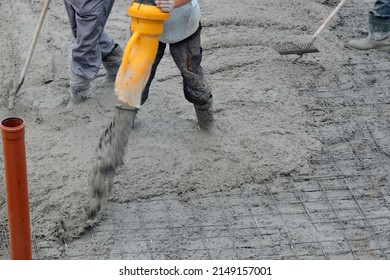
(296, 168)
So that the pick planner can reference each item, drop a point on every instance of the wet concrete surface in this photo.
(340, 209)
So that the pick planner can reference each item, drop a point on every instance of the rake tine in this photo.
(292, 48)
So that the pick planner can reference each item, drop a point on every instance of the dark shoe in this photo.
(204, 114)
(79, 88)
(112, 61)
(378, 37)
(369, 44)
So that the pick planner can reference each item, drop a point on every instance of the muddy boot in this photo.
(378, 37)
(204, 114)
(112, 61)
(79, 88)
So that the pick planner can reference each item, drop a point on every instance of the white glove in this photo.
(165, 5)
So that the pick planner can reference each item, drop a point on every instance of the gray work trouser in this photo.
(187, 55)
(382, 8)
(87, 20)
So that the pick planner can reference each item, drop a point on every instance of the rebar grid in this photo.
(258, 223)
(255, 222)
(340, 210)
(362, 212)
(359, 139)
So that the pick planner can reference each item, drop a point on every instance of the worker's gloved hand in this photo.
(165, 5)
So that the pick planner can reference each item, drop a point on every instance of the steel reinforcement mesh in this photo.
(339, 211)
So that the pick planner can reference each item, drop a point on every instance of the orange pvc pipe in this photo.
(16, 186)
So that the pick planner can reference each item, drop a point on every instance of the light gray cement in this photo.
(296, 169)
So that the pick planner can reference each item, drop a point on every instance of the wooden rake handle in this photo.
(23, 74)
(326, 21)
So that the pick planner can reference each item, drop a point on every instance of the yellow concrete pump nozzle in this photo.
(147, 25)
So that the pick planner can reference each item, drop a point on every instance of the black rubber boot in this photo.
(112, 62)
(204, 114)
(79, 88)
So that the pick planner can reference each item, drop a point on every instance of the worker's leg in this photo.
(379, 29)
(159, 55)
(112, 62)
(382, 8)
(187, 55)
(72, 17)
(87, 20)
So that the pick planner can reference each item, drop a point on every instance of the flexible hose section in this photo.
(16, 186)
(147, 25)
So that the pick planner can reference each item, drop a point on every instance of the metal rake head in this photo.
(292, 48)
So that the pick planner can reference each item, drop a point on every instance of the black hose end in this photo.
(146, 2)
